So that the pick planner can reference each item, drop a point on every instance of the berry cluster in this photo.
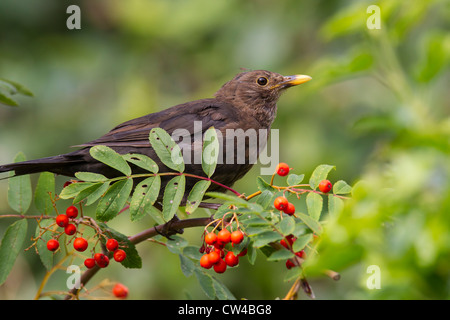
(287, 243)
(214, 249)
(80, 244)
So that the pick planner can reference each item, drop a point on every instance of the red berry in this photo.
(112, 244)
(210, 238)
(62, 220)
(243, 252)
(70, 229)
(219, 245)
(224, 236)
(237, 237)
(214, 257)
(120, 291)
(89, 263)
(72, 212)
(119, 255)
(52, 245)
(289, 264)
(280, 203)
(290, 209)
(80, 244)
(67, 183)
(290, 239)
(204, 261)
(325, 186)
(101, 260)
(220, 266)
(231, 260)
(282, 169)
(300, 254)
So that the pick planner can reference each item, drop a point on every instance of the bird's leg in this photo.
(167, 230)
(207, 205)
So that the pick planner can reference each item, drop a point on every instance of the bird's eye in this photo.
(262, 81)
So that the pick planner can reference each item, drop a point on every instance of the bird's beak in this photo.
(290, 81)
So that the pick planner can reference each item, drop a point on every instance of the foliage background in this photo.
(378, 108)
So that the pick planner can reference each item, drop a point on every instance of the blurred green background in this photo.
(378, 108)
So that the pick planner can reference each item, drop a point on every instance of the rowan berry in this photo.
(112, 244)
(120, 291)
(52, 245)
(70, 229)
(280, 203)
(72, 212)
(243, 252)
(214, 257)
(62, 220)
(237, 237)
(80, 244)
(89, 263)
(290, 209)
(231, 259)
(224, 236)
(119, 255)
(210, 238)
(101, 260)
(325, 186)
(220, 266)
(204, 261)
(289, 264)
(290, 241)
(300, 254)
(282, 169)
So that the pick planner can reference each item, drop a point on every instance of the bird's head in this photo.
(258, 91)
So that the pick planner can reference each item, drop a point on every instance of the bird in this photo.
(247, 102)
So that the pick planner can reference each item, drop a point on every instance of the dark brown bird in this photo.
(247, 102)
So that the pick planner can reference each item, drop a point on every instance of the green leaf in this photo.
(114, 200)
(206, 283)
(166, 149)
(11, 246)
(73, 189)
(45, 255)
(18, 88)
(281, 254)
(173, 194)
(265, 199)
(264, 185)
(294, 179)
(222, 292)
(210, 151)
(91, 177)
(310, 223)
(19, 189)
(314, 203)
(141, 161)
(187, 266)
(228, 197)
(335, 205)
(341, 187)
(319, 174)
(144, 196)
(7, 101)
(45, 189)
(264, 238)
(196, 195)
(133, 260)
(111, 158)
(286, 225)
(176, 244)
(292, 274)
(301, 242)
(92, 193)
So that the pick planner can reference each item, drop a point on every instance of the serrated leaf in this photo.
(264, 238)
(11, 246)
(141, 161)
(173, 194)
(265, 199)
(341, 187)
(166, 149)
(114, 200)
(90, 177)
(286, 225)
(196, 195)
(210, 152)
(111, 158)
(45, 189)
(301, 242)
(144, 196)
(335, 205)
(222, 292)
(263, 185)
(294, 179)
(91, 193)
(187, 266)
(73, 189)
(206, 283)
(176, 244)
(310, 223)
(281, 254)
(314, 203)
(319, 174)
(45, 255)
(228, 197)
(19, 189)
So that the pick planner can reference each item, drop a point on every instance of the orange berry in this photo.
(224, 236)
(282, 169)
(280, 203)
(325, 186)
(237, 237)
(220, 266)
(52, 245)
(62, 220)
(120, 291)
(290, 209)
(210, 238)
(80, 244)
(231, 259)
(204, 261)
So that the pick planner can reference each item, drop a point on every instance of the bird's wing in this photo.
(192, 116)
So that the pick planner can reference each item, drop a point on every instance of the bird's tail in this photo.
(57, 164)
